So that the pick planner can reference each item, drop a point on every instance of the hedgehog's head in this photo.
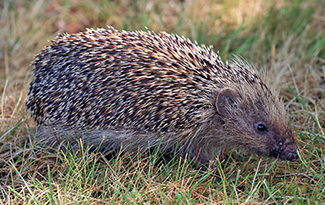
(255, 121)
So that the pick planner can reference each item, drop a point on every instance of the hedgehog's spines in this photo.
(151, 85)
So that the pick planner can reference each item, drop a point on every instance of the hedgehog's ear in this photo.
(227, 101)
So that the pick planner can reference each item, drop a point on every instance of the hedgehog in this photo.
(141, 90)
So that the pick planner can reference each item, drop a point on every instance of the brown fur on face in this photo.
(241, 117)
(140, 89)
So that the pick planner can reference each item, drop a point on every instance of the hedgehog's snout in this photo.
(292, 156)
(285, 152)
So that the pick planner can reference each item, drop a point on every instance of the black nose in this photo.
(292, 156)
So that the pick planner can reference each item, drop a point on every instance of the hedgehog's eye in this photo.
(261, 128)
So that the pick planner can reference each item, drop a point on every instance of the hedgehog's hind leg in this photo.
(103, 140)
(71, 138)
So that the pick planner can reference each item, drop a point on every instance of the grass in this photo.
(284, 39)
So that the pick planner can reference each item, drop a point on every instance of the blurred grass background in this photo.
(282, 38)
